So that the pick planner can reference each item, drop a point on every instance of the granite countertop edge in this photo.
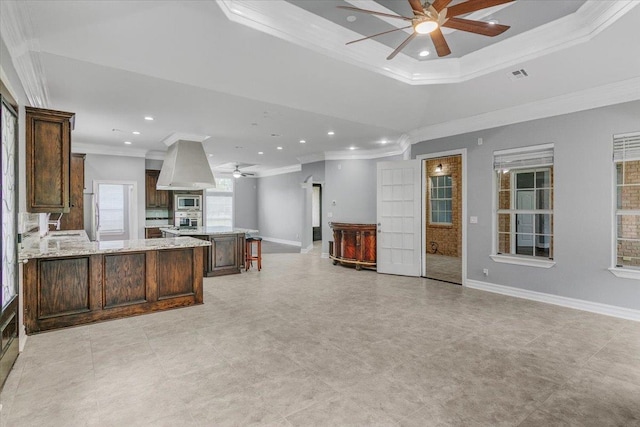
(77, 248)
(206, 231)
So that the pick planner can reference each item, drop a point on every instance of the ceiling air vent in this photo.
(518, 74)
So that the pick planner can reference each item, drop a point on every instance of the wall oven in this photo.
(188, 219)
(187, 202)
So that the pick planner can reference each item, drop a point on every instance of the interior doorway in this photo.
(316, 211)
(116, 210)
(443, 206)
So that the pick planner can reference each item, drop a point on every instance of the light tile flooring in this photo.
(443, 267)
(304, 343)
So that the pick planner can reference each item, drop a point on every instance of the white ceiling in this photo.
(198, 72)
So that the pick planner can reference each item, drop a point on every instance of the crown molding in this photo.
(79, 147)
(311, 31)
(311, 158)
(279, 171)
(17, 32)
(601, 96)
(183, 136)
(155, 155)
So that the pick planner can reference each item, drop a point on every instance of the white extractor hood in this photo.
(185, 167)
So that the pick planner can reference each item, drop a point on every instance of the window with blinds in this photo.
(626, 158)
(219, 203)
(524, 201)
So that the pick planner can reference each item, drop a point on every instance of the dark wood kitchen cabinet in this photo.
(152, 233)
(48, 159)
(155, 199)
(75, 290)
(74, 219)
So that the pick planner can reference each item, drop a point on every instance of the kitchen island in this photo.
(69, 280)
(226, 254)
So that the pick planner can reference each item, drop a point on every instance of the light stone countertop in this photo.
(73, 243)
(207, 231)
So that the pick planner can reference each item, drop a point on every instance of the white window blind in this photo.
(529, 157)
(626, 147)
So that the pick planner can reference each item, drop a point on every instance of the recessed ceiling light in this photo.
(352, 148)
(424, 53)
(279, 148)
(135, 132)
(384, 141)
(416, 74)
(260, 152)
(351, 18)
(128, 142)
(148, 118)
(331, 133)
(210, 155)
(302, 141)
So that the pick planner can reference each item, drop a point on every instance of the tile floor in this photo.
(443, 267)
(306, 343)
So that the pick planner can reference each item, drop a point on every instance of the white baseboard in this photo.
(307, 249)
(324, 255)
(594, 307)
(282, 241)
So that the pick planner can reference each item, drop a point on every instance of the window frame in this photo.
(618, 157)
(431, 200)
(221, 193)
(521, 155)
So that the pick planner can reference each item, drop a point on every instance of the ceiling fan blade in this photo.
(373, 12)
(440, 4)
(477, 27)
(379, 34)
(402, 45)
(441, 45)
(473, 5)
(416, 6)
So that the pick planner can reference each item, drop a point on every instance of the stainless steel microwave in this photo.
(187, 202)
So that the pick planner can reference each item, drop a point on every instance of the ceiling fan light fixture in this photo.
(236, 173)
(425, 26)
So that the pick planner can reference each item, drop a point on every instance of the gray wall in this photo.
(280, 202)
(118, 168)
(583, 214)
(245, 197)
(352, 185)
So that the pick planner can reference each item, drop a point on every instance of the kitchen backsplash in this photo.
(153, 214)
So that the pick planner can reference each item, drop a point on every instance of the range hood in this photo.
(185, 167)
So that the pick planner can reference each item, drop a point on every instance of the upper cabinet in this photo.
(48, 159)
(155, 198)
(74, 220)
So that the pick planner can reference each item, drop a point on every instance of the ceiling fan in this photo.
(237, 174)
(430, 17)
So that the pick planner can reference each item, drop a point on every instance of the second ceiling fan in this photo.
(430, 17)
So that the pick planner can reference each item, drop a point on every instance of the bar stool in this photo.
(249, 257)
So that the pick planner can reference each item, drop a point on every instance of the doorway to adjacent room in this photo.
(443, 185)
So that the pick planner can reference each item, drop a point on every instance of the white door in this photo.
(399, 218)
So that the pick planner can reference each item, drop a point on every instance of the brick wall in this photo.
(447, 237)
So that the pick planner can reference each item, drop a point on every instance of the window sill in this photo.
(540, 263)
(625, 273)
